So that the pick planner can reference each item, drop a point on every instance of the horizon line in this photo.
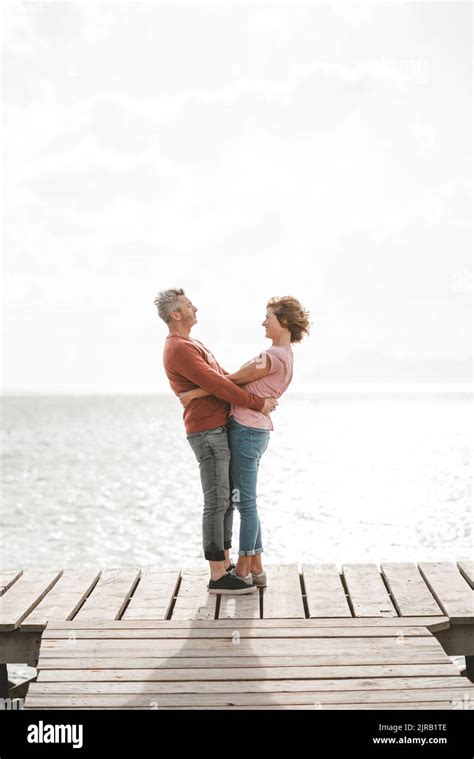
(300, 388)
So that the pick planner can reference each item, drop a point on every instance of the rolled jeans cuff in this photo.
(214, 555)
(254, 552)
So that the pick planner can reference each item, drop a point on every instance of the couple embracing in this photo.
(228, 425)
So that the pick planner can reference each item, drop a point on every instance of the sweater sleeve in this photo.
(275, 362)
(191, 364)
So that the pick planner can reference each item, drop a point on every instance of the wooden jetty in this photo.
(360, 637)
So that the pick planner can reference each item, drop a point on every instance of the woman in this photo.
(269, 374)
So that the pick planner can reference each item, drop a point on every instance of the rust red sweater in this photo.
(189, 364)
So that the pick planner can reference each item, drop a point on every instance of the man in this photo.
(188, 364)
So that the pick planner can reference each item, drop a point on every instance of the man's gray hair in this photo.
(167, 301)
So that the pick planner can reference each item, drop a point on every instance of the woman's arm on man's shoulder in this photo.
(252, 370)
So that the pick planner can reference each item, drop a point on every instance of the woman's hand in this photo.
(191, 395)
(187, 397)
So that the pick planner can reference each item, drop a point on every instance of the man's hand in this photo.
(269, 406)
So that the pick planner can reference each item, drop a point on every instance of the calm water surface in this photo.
(111, 481)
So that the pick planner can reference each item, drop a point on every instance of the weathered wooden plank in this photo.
(246, 606)
(194, 600)
(467, 570)
(292, 634)
(283, 598)
(250, 686)
(409, 592)
(451, 590)
(422, 705)
(325, 594)
(63, 600)
(212, 624)
(367, 592)
(452, 694)
(7, 578)
(110, 595)
(447, 669)
(153, 596)
(236, 647)
(24, 595)
(358, 657)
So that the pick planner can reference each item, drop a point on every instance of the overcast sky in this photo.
(239, 151)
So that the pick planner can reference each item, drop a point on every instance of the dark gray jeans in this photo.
(211, 449)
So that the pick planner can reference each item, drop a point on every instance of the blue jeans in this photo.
(247, 446)
(211, 449)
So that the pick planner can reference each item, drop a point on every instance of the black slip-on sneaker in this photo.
(228, 583)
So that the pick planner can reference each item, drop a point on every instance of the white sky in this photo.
(239, 151)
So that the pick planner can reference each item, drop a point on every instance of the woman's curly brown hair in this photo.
(292, 315)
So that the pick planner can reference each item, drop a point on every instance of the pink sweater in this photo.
(273, 384)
